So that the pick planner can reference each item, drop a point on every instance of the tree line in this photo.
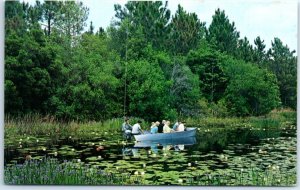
(147, 63)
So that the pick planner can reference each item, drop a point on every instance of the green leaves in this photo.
(250, 91)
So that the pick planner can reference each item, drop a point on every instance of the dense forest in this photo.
(148, 63)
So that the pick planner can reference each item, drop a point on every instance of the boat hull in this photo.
(165, 142)
(190, 132)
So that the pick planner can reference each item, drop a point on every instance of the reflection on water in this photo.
(177, 144)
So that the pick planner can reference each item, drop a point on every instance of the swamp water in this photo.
(241, 156)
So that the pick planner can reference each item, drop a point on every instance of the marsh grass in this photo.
(275, 119)
(49, 171)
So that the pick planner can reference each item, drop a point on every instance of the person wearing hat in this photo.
(136, 128)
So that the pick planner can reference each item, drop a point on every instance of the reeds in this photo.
(49, 171)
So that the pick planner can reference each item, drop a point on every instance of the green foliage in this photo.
(206, 63)
(27, 64)
(250, 91)
(170, 67)
(147, 95)
(91, 88)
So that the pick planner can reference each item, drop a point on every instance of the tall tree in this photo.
(186, 31)
(15, 17)
(223, 34)
(151, 17)
(50, 12)
(245, 50)
(259, 52)
(71, 19)
(283, 63)
(206, 63)
(184, 91)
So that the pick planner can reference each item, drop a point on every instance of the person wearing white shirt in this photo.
(180, 127)
(136, 128)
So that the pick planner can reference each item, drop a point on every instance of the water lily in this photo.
(55, 153)
(73, 149)
(180, 180)
(99, 157)
(144, 165)
(136, 173)
(28, 138)
(242, 170)
(78, 160)
(20, 142)
(37, 140)
(44, 149)
(149, 151)
(21, 139)
(70, 137)
(20, 146)
(189, 164)
(93, 144)
(142, 173)
(28, 157)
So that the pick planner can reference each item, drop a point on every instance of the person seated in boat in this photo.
(167, 128)
(180, 127)
(136, 128)
(175, 126)
(161, 126)
(126, 127)
(154, 127)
